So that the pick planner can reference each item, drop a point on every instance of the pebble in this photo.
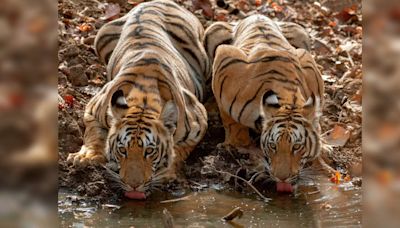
(89, 40)
(71, 51)
(77, 75)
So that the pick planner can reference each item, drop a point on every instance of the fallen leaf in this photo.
(347, 13)
(357, 97)
(135, 2)
(205, 5)
(332, 24)
(277, 8)
(85, 27)
(220, 16)
(336, 178)
(69, 100)
(321, 47)
(112, 12)
(326, 206)
(338, 136)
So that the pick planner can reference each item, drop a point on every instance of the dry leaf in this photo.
(221, 16)
(332, 24)
(277, 8)
(135, 2)
(336, 178)
(85, 27)
(338, 136)
(326, 206)
(205, 5)
(112, 12)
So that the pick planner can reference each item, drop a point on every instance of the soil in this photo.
(336, 32)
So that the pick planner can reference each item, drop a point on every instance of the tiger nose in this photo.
(282, 176)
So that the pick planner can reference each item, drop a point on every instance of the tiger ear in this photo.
(270, 100)
(119, 106)
(310, 107)
(169, 116)
(269, 104)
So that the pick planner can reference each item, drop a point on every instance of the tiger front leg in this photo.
(92, 151)
(236, 134)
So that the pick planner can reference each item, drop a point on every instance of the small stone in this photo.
(71, 51)
(326, 206)
(325, 10)
(75, 61)
(77, 75)
(89, 40)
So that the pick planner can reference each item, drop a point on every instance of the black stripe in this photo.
(104, 40)
(249, 101)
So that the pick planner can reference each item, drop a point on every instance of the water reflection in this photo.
(315, 205)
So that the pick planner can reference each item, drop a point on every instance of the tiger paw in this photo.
(86, 157)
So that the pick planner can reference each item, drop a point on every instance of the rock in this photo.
(71, 51)
(77, 76)
(75, 61)
(120, 2)
(89, 40)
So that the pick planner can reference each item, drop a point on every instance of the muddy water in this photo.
(317, 204)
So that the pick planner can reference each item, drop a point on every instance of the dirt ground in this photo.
(336, 31)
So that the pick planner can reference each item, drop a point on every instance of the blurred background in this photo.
(381, 110)
(29, 103)
(28, 113)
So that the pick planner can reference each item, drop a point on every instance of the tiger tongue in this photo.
(284, 187)
(135, 195)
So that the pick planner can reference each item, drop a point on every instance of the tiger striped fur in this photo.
(262, 83)
(148, 117)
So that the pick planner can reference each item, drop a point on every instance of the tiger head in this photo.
(140, 141)
(289, 136)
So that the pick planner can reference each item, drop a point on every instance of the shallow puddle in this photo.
(323, 204)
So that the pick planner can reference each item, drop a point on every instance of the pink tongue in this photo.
(135, 195)
(284, 187)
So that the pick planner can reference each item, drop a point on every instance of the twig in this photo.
(168, 220)
(325, 166)
(246, 181)
(350, 59)
(237, 212)
(176, 200)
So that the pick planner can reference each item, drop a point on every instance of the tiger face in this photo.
(141, 142)
(288, 140)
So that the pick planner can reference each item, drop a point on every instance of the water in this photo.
(321, 204)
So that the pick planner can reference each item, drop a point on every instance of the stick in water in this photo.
(175, 200)
(168, 221)
(237, 212)
(246, 181)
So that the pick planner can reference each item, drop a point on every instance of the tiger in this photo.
(148, 117)
(265, 81)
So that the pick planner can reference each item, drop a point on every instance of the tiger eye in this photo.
(296, 146)
(272, 146)
(122, 150)
(149, 150)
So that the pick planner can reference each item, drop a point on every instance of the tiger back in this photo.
(261, 82)
(148, 117)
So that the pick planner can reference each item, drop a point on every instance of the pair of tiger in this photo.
(149, 116)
